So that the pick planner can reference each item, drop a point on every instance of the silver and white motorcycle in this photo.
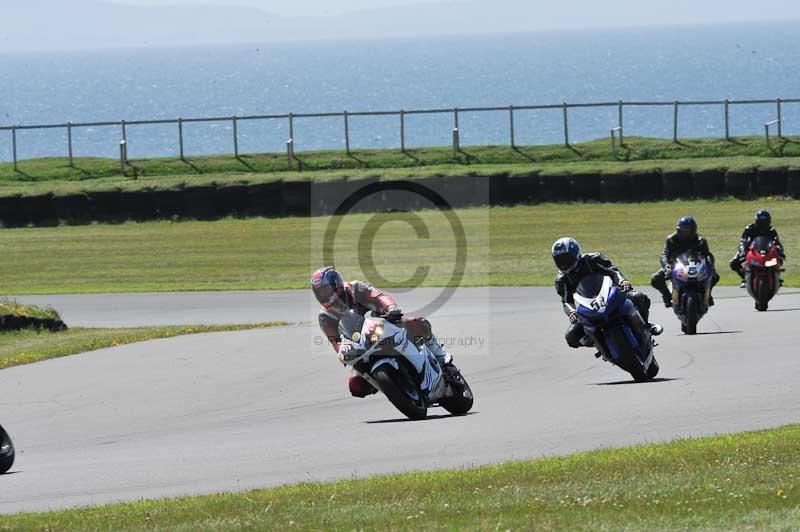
(408, 374)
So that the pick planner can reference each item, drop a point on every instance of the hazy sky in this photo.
(290, 8)
(85, 24)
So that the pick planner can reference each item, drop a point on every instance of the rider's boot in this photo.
(655, 329)
(444, 358)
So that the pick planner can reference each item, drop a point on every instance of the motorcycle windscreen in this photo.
(762, 244)
(352, 322)
(591, 286)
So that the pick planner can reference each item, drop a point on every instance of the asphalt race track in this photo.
(233, 411)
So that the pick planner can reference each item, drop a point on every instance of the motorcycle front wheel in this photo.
(763, 293)
(6, 451)
(691, 314)
(461, 401)
(405, 396)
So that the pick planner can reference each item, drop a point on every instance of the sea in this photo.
(735, 61)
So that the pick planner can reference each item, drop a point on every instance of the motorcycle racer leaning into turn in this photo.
(573, 266)
(337, 297)
(685, 238)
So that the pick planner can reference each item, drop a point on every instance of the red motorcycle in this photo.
(763, 267)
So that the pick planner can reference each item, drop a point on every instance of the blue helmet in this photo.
(566, 254)
(327, 285)
(687, 228)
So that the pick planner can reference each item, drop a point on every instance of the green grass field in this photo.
(749, 481)
(505, 246)
(640, 154)
(26, 347)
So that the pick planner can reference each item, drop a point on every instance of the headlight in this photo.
(377, 333)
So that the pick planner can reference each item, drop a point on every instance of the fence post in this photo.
(290, 152)
(675, 123)
(766, 134)
(235, 121)
(621, 127)
(14, 146)
(124, 132)
(511, 124)
(402, 130)
(780, 120)
(123, 155)
(456, 140)
(69, 144)
(180, 138)
(727, 121)
(346, 133)
(291, 129)
(566, 125)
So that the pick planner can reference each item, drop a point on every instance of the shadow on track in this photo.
(621, 383)
(406, 420)
(714, 332)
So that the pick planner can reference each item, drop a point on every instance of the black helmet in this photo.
(763, 219)
(566, 254)
(687, 228)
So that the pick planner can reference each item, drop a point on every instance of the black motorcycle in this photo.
(6, 451)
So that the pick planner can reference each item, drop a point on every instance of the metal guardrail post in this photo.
(620, 125)
(235, 122)
(675, 123)
(766, 131)
(614, 131)
(123, 155)
(69, 145)
(727, 120)
(180, 139)
(402, 130)
(780, 119)
(566, 124)
(14, 147)
(511, 124)
(346, 133)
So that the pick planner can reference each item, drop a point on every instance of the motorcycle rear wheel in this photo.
(6, 452)
(394, 387)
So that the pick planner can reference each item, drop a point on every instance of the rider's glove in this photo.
(626, 286)
(343, 350)
(667, 271)
(573, 317)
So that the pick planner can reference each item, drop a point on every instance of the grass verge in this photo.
(639, 155)
(27, 347)
(9, 307)
(505, 246)
(748, 481)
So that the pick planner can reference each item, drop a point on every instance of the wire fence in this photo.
(617, 130)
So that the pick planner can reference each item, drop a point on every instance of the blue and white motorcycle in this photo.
(691, 288)
(409, 375)
(615, 327)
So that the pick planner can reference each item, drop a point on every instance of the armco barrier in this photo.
(304, 198)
